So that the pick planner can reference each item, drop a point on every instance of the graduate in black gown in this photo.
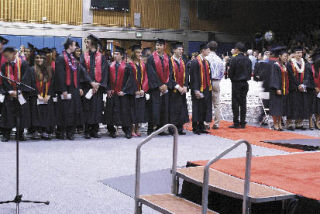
(42, 106)
(201, 91)
(3, 42)
(138, 68)
(95, 84)
(67, 77)
(120, 99)
(316, 78)
(301, 89)
(279, 88)
(18, 70)
(178, 107)
(159, 80)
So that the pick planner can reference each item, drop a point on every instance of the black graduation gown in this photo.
(178, 107)
(299, 102)
(69, 111)
(277, 103)
(158, 107)
(42, 116)
(93, 108)
(139, 114)
(201, 108)
(11, 107)
(316, 101)
(118, 109)
(262, 70)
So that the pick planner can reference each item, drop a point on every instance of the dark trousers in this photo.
(91, 128)
(239, 101)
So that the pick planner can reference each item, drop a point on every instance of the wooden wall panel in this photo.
(56, 11)
(159, 14)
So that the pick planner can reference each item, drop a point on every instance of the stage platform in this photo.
(293, 179)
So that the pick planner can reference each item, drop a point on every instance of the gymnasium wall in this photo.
(39, 41)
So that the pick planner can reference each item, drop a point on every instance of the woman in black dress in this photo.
(42, 103)
(141, 79)
(316, 78)
(279, 88)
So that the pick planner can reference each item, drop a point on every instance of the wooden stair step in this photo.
(232, 186)
(169, 203)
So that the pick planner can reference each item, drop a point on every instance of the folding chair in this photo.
(265, 96)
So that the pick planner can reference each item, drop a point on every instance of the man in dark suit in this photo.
(239, 72)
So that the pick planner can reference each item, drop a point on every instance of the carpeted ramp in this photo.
(255, 135)
(155, 182)
(296, 173)
(302, 144)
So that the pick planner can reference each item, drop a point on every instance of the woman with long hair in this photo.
(316, 78)
(42, 103)
(279, 88)
(141, 80)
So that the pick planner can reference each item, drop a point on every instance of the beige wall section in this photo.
(159, 14)
(56, 11)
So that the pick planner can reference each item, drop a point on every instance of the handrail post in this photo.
(174, 189)
(205, 188)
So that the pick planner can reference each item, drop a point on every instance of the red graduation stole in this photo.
(143, 85)
(68, 71)
(296, 74)
(163, 72)
(284, 80)
(53, 66)
(40, 84)
(179, 73)
(116, 83)
(3, 61)
(16, 73)
(204, 72)
(316, 79)
(97, 69)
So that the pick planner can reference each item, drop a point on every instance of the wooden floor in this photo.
(168, 203)
(230, 184)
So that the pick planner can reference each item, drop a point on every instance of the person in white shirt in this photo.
(217, 68)
(252, 58)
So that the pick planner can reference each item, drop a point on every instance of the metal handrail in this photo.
(174, 188)
(245, 204)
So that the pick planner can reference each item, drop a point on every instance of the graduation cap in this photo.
(136, 47)
(177, 45)
(46, 50)
(119, 49)
(95, 39)
(77, 45)
(67, 42)
(203, 46)
(145, 50)
(3, 40)
(9, 49)
(297, 48)
(316, 55)
(31, 47)
(41, 52)
(160, 41)
(279, 50)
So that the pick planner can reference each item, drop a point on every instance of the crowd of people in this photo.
(75, 92)
(291, 76)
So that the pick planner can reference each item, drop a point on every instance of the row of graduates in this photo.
(294, 89)
(69, 93)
